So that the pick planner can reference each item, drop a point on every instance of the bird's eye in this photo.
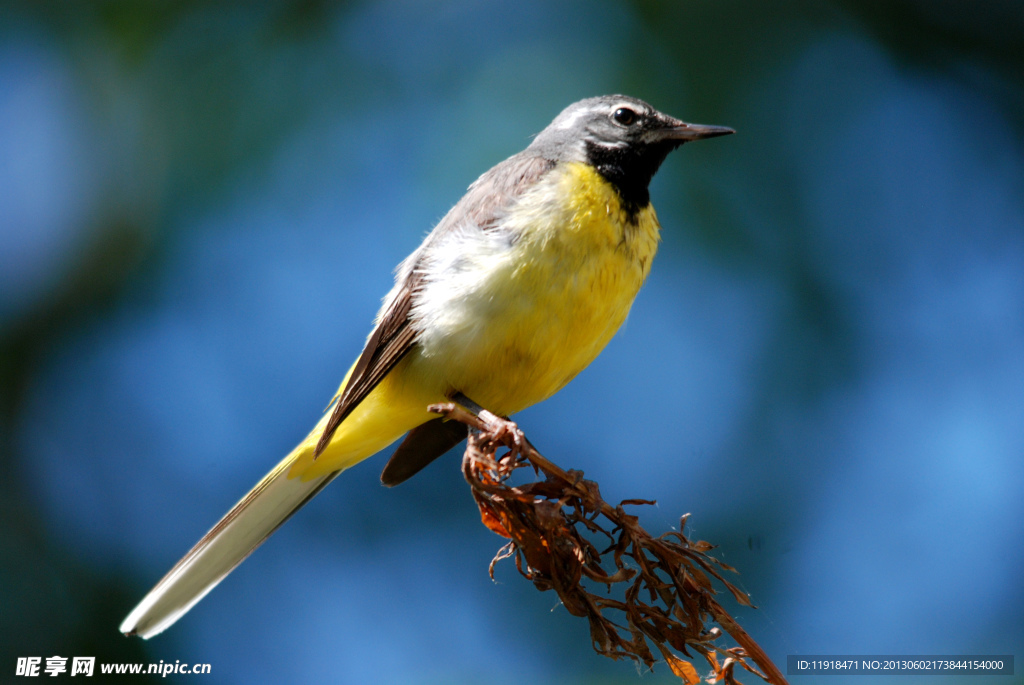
(624, 116)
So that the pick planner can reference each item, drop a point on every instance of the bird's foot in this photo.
(503, 430)
(497, 429)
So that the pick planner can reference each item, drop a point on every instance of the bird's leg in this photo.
(469, 404)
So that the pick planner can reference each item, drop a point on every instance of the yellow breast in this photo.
(529, 317)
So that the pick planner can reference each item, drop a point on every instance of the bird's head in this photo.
(624, 138)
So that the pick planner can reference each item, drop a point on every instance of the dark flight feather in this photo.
(421, 446)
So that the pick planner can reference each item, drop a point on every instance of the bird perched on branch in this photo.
(527, 278)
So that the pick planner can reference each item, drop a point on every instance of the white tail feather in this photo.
(228, 543)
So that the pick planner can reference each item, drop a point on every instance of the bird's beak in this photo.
(682, 132)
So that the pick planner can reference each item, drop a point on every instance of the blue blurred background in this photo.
(200, 208)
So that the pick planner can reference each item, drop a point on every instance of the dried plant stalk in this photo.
(668, 580)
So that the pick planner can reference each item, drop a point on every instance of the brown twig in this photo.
(668, 580)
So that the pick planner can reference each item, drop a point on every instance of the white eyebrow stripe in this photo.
(571, 121)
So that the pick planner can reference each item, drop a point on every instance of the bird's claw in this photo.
(503, 430)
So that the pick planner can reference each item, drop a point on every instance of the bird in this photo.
(512, 294)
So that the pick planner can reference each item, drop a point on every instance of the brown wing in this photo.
(392, 340)
(395, 336)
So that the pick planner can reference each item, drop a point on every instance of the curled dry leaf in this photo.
(555, 527)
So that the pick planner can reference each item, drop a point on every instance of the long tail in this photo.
(242, 530)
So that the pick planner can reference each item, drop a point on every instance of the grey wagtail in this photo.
(516, 290)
